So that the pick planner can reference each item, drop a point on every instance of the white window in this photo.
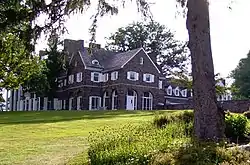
(148, 78)
(79, 102)
(95, 76)
(114, 75)
(65, 82)
(132, 76)
(147, 101)
(76, 63)
(176, 91)
(105, 100)
(95, 62)
(160, 84)
(114, 100)
(105, 77)
(184, 93)
(141, 61)
(94, 102)
(169, 90)
(79, 77)
(71, 79)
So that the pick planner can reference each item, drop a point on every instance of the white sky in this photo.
(230, 29)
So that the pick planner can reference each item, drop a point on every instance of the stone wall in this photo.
(238, 106)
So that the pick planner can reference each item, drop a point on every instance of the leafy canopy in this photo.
(241, 75)
(156, 39)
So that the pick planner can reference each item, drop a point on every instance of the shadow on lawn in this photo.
(59, 116)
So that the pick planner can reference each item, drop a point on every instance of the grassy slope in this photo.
(54, 137)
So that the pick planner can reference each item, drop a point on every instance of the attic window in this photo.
(95, 62)
(141, 61)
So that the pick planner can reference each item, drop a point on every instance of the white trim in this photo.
(151, 61)
(90, 102)
(169, 88)
(131, 57)
(146, 55)
(180, 98)
(96, 86)
(112, 99)
(79, 52)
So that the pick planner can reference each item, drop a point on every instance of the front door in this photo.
(130, 103)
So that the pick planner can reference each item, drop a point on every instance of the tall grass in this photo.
(135, 144)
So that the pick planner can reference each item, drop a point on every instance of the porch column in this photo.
(45, 103)
(38, 103)
(15, 100)
(11, 100)
(19, 98)
(6, 101)
(25, 104)
(30, 104)
(21, 105)
(34, 103)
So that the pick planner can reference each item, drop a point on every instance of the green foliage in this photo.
(16, 64)
(241, 76)
(247, 114)
(156, 39)
(44, 81)
(134, 144)
(236, 125)
(164, 119)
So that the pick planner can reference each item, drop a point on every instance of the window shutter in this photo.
(77, 77)
(112, 76)
(137, 76)
(80, 79)
(152, 78)
(92, 76)
(101, 77)
(160, 84)
(69, 79)
(144, 77)
(128, 75)
(116, 75)
(72, 78)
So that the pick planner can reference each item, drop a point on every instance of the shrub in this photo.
(247, 114)
(236, 126)
(134, 144)
(164, 119)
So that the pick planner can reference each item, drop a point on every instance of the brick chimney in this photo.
(73, 45)
(94, 45)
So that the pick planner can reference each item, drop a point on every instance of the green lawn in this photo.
(54, 137)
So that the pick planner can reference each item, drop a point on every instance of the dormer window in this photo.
(177, 91)
(184, 93)
(169, 90)
(141, 61)
(95, 62)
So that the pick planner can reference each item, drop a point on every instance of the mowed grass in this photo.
(54, 137)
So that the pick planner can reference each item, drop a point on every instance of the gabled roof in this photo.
(108, 60)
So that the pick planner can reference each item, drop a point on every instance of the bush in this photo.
(205, 153)
(247, 114)
(134, 144)
(164, 119)
(236, 126)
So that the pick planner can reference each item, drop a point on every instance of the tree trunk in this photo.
(209, 119)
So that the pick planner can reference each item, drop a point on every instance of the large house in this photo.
(101, 79)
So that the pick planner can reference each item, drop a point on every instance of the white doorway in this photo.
(131, 103)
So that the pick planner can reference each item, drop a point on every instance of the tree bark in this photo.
(209, 119)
